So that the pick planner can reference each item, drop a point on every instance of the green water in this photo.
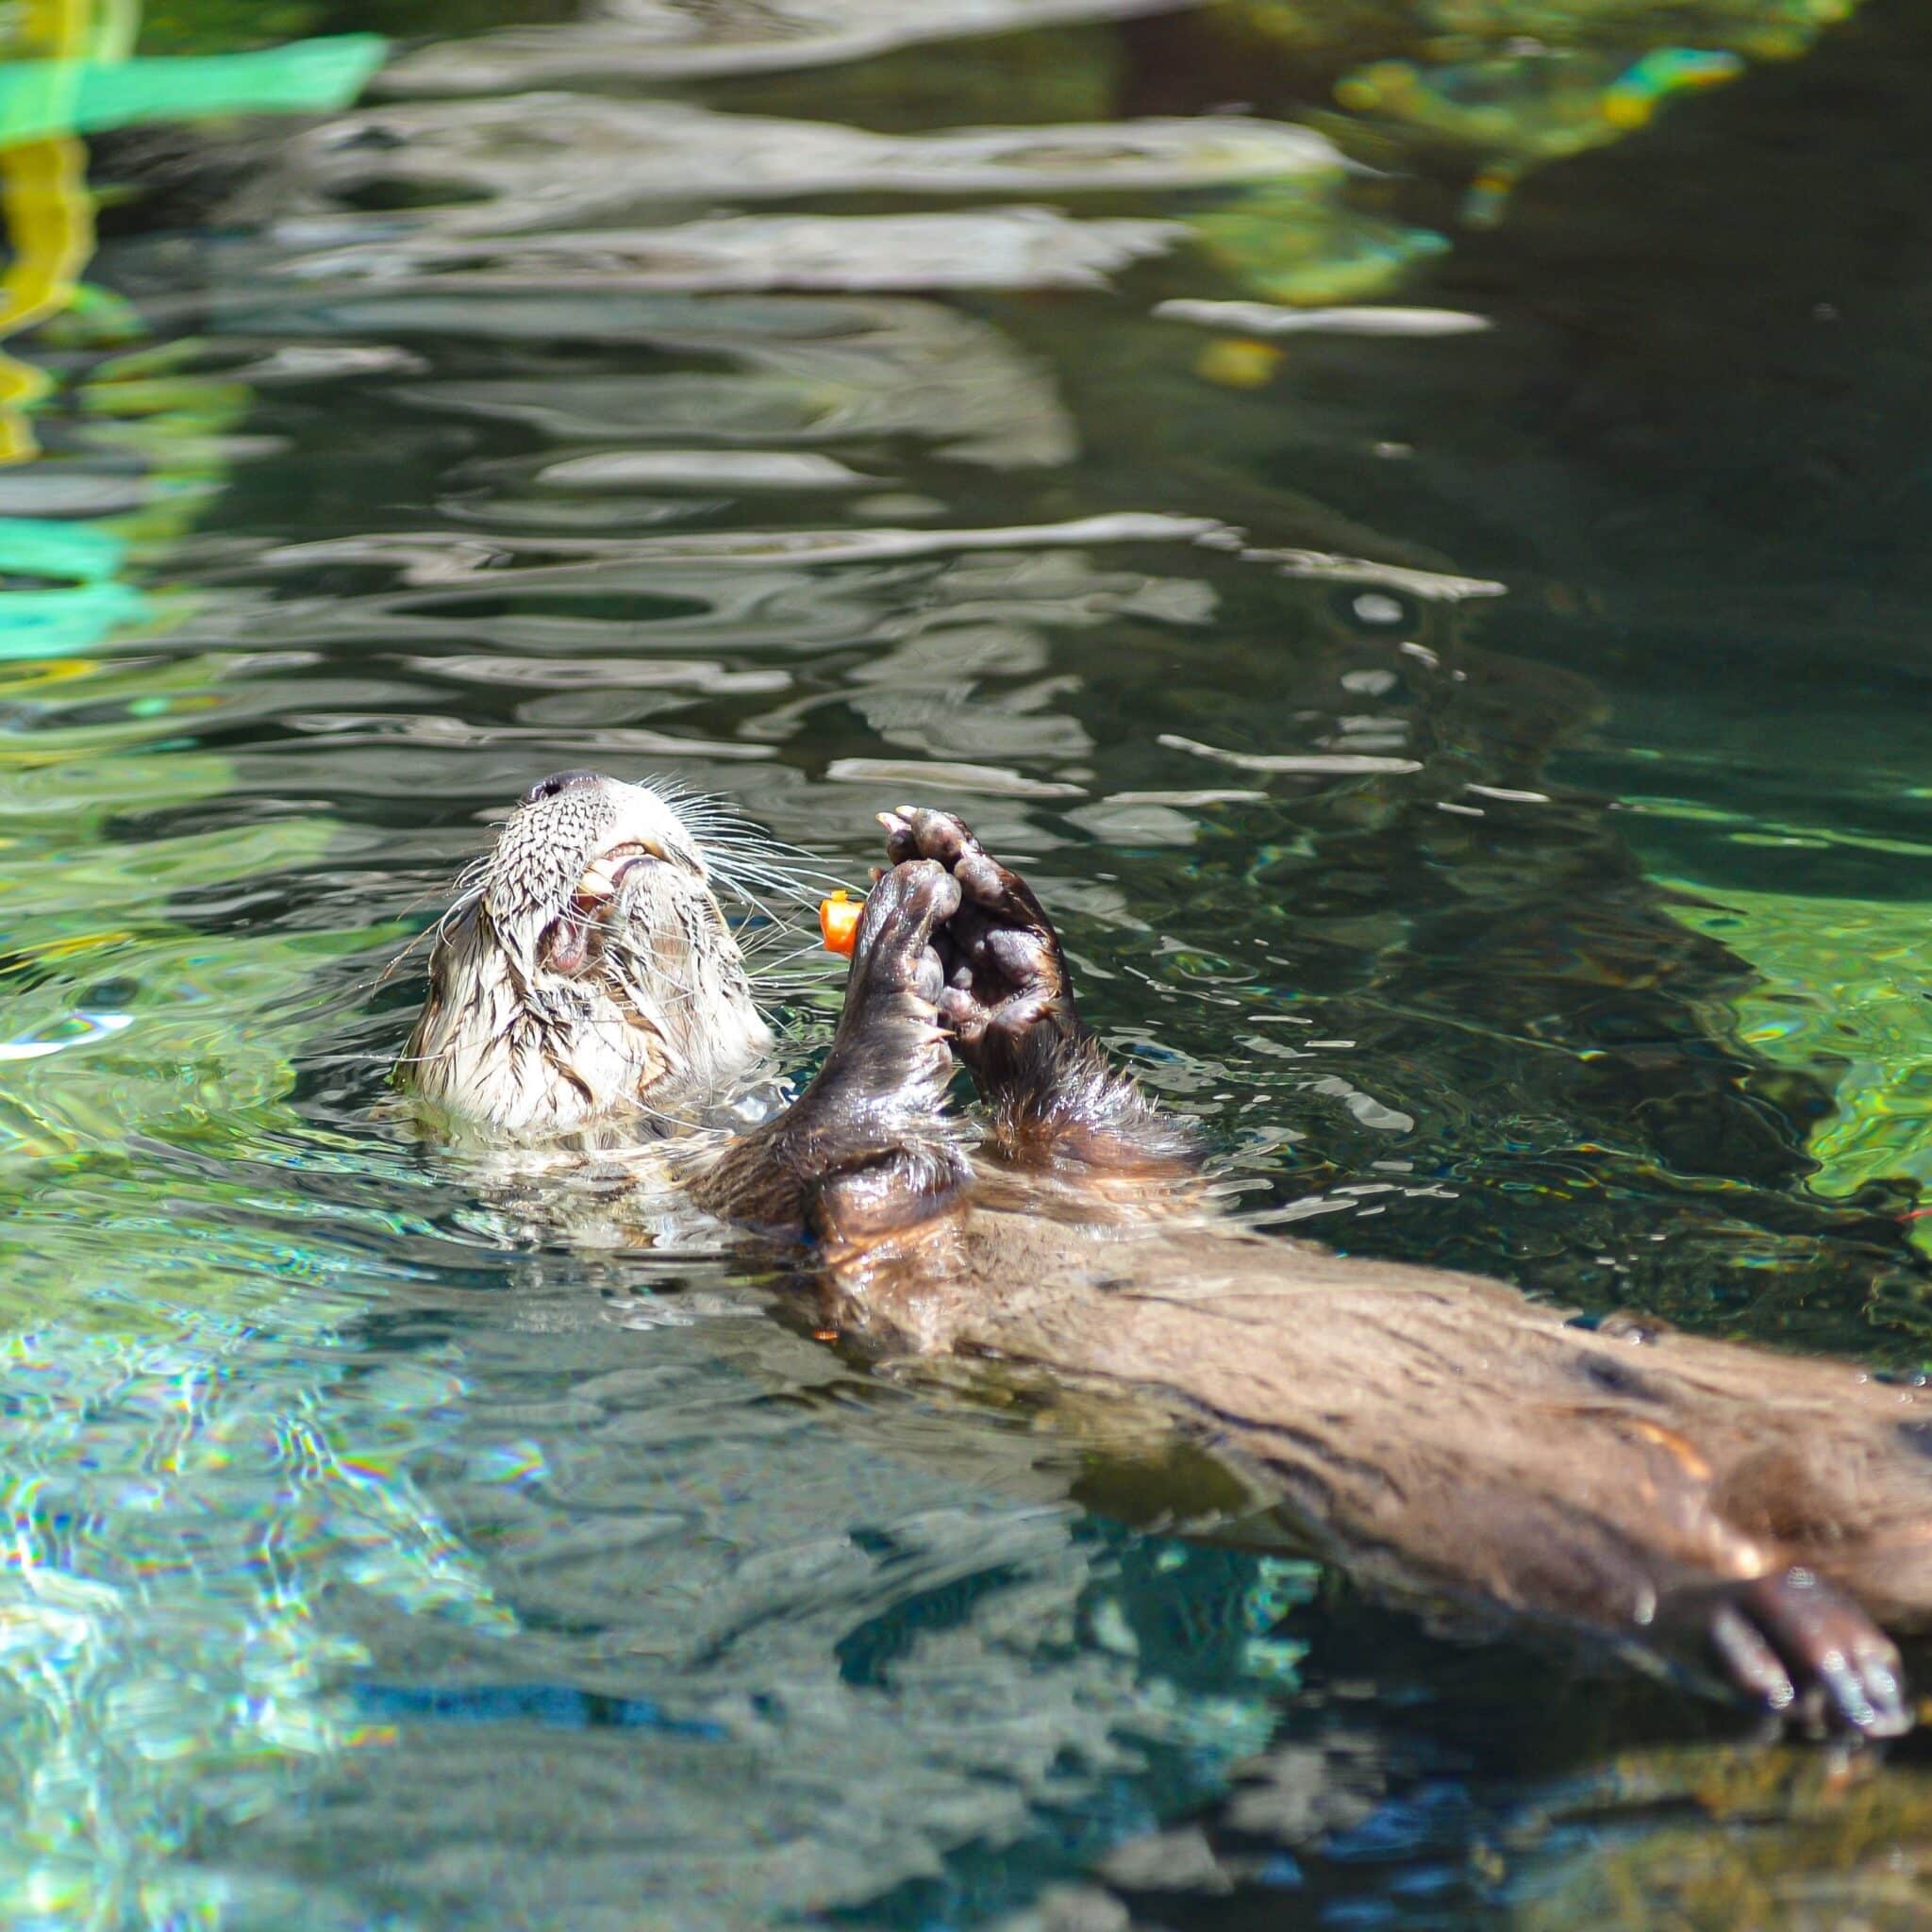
(1486, 776)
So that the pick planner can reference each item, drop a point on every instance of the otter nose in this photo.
(560, 781)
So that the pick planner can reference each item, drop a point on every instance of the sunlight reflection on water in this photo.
(377, 1555)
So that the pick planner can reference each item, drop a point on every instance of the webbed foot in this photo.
(1804, 1650)
(1008, 994)
(1009, 999)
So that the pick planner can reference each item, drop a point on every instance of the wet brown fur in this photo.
(1438, 1433)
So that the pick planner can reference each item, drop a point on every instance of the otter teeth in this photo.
(604, 873)
(599, 881)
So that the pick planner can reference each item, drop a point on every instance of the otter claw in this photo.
(939, 835)
(1802, 1649)
(900, 844)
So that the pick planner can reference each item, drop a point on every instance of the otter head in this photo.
(589, 965)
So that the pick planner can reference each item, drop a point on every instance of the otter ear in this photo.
(456, 932)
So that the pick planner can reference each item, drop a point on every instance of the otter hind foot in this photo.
(1805, 1650)
(1007, 996)
(1005, 974)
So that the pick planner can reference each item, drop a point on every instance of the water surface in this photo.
(1480, 755)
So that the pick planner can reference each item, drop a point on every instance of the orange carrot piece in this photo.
(839, 922)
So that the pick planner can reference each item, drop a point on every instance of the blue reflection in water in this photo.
(544, 1703)
(374, 1555)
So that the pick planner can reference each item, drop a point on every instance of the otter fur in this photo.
(1746, 1516)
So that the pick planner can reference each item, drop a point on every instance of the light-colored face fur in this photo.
(590, 966)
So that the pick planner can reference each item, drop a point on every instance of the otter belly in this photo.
(1442, 1433)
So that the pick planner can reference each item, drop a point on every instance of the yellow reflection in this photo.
(49, 219)
(1235, 363)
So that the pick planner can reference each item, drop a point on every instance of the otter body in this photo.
(1700, 1502)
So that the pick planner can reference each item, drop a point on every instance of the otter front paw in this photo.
(1008, 994)
(894, 952)
(866, 1147)
(889, 1032)
(1804, 1650)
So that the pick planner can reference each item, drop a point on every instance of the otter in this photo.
(1741, 1517)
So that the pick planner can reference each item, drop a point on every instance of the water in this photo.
(1483, 773)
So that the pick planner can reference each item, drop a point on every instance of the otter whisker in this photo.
(467, 888)
(783, 950)
(724, 853)
(728, 834)
(458, 907)
(804, 888)
(766, 966)
(397, 962)
(747, 897)
(760, 910)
